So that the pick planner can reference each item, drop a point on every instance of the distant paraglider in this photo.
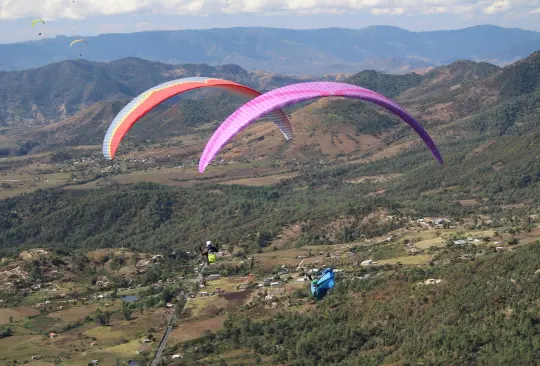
(290, 94)
(143, 103)
(35, 21)
(77, 41)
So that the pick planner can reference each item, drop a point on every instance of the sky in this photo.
(93, 17)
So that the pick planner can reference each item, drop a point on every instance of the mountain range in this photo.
(316, 51)
(57, 91)
(72, 103)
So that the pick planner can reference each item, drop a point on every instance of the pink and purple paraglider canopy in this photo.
(290, 94)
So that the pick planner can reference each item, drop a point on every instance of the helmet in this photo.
(208, 243)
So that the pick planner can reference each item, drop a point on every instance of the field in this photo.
(16, 314)
(425, 244)
(78, 312)
(262, 181)
(410, 260)
(289, 257)
(186, 331)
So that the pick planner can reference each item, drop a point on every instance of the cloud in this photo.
(79, 9)
(387, 11)
(535, 11)
(499, 6)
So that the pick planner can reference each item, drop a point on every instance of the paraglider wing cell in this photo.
(290, 94)
(143, 103)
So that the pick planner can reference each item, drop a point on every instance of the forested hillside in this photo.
(484, 312)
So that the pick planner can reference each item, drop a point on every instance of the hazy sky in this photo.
(91, 17)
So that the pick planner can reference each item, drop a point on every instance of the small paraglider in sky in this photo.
(77, 41)
(34, 22)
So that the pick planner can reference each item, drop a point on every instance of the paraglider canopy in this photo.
(77, 41)
(320, 287)
(34, 22)
(147, 100)
(290, 94)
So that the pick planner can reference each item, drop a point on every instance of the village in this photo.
(87, 305)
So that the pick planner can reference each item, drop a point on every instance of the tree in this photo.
(166, 294)
(126, 312)
(102, 317)
(6, 333)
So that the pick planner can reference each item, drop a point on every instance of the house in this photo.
(367, 262)
(146, 341)
(36, 357)
(500, 249)
(432, 281)
(302, 279)
(95, 362)
(53, 335)
(460, 242)
(169, 305)
(213, 277)
(93, 343)
(176, 356)
(274, 283)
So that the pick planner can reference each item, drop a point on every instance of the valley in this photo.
(100, 258)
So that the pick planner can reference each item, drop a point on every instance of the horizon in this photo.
(96, 17)
(270, 27)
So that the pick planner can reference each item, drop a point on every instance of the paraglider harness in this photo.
(210, 252)
(320, 287)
